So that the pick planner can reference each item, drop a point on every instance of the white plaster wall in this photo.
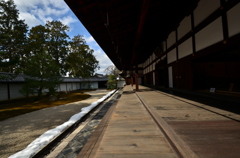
(204, 9)
(94, 85)
(69, 86)
(85, 85)
(91, 85)
(171, 56)
(74, 86)
(185, 48)
(78, 85)
(209, 35)
(14, 90)
(3, 91)
(171, 39)
(184, 27)
(63, 87)
(154, 78)
(233, 16)
(170, 77)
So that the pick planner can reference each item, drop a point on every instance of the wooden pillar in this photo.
(131, 74)
(131, 80)
(136, 77)
(136, 81)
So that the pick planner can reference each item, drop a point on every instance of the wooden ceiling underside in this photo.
(129, 30)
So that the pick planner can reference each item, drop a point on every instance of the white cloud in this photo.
(30, 19)
(23, 6)
(89, 39)
(47, 13)
(26, 4)
(103, 59)
(68, 20)
(36, 11)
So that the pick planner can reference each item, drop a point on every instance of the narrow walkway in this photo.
(130, 132)
(207, 130)
(186, 127)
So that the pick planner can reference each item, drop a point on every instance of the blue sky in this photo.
(36, 12)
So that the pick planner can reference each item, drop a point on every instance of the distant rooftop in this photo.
(10, 77)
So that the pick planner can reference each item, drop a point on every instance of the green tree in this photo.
(81, 62)
(112, 70)
(58, 43)
(112, 82)
(42, 73)
(13, 36)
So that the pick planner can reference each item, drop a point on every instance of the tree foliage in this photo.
(112, 82)
(40, 69)
(43, 54)
(112, 70)
(81, 62)
(13, 36)
(58, 43)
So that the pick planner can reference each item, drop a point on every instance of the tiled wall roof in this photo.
(9, 77)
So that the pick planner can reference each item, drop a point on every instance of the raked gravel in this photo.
(17, 132)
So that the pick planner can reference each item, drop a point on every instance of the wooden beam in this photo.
(145, 6)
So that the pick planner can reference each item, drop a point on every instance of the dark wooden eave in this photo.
(129, 30)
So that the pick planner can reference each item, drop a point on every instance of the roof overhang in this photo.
(130, 30)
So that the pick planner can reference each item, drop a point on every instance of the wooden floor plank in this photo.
(131, 132)
(206, 130)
